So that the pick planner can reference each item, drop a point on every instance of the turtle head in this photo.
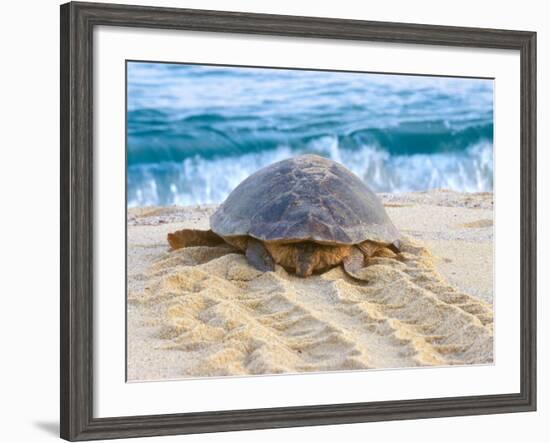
(306, 258)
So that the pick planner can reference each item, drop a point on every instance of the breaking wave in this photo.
(195, 132)
(197, 180)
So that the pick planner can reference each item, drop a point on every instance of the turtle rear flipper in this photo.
(258, 256)
(193, 237)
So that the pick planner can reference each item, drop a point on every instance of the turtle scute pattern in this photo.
(304, 198)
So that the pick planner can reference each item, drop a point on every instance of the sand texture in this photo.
(203, 311)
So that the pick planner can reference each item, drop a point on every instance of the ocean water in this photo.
(195, 132)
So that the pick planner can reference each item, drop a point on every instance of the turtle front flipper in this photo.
(258, 256)
(193, 237)
(354, 262)
(373, 249)
(395, 247)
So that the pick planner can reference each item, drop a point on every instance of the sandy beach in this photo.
(204, 311)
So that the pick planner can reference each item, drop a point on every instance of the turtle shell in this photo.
(305, 198)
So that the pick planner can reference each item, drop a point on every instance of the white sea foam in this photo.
(195, 132)
(197, 180)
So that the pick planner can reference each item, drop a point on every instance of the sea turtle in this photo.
(307, 214)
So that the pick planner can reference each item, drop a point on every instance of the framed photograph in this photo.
(272, 221)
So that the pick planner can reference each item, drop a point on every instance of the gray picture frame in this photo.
(77, 23)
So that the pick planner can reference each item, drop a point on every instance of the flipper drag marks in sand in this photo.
(204, 311)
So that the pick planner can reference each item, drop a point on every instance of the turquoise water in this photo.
(195, 132)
